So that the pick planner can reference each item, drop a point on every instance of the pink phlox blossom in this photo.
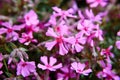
(65, 73)
(106, 52)
(49, 64)
(118, 33)
(118, 44)
(59, 39)
(27, 38)
(77, 42)
(80, 68)
(31, 29)
(31, 18)
(90, 40)
(85, 26)
(26, 68)
(107, 73)
(80, 15)
(52, 21)
(63, 14)
(90, 15)
(10, 30)
(95, 3)
(1, 64)
(60, 27)
(98, 33)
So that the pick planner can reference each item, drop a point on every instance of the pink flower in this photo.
(107, 73)
(25, 68)
(90, 15)
(63, 14)
(118, 33)
(95, 3)
(85, 26)
(49, 65)
(107, 52)
(80, 68)
(27, 38)
(31, 18)
(77, 42)
(99, 33)
(59, 39)
(1, 64)
(32, 28)
(66, 73)
(118, 44)
(10, 30)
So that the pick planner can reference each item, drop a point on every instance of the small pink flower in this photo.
(80, 68)
(66, 73)
(1, 64)
(95, 3)
(107, 73)
(32, 28)
(10, 30)
(59, 39)
(118, 44)
(49, 65)
(27, 38)
(118, 33)
(63, 14)
(90, 15)
(107, 52)
(26, 68)
(85, 26)
(98, 33)
(77, 42)
(31, 18)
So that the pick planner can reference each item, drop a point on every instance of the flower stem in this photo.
(5, 65)
(46, 75)
(78, 77)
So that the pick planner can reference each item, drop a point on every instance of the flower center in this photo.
(24, 64)
(59, 40)
(10, 30)
(48, 66)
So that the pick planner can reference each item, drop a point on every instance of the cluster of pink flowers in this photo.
(67, 33)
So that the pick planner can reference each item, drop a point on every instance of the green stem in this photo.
(5, 65)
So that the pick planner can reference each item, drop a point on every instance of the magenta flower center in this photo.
(107, 52)
(98, 0)
(85, 28)
(27, 18)
(9, 30)
(59, 40)
(24, 64)
(79, 70)
(48, 66)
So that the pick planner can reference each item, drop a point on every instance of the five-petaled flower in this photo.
(49, 65)
(26, 68)
(80, 68)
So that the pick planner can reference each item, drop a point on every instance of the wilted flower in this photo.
(18, 52)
